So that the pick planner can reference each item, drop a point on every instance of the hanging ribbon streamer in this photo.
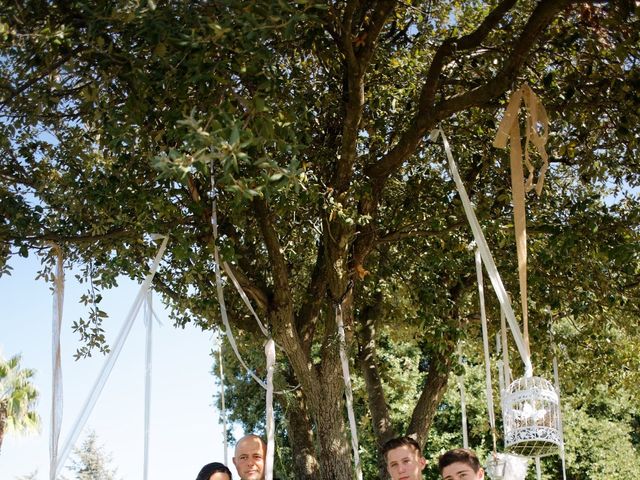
(487, 258)
(269, 350)
(244, 297)
(463, 400)
(112, 358)
(510, 129)
(225, 319)
(270, 353)
(501, 381)
(487, 357)
(223, 409)
(56, 363)
(148, 322)
(348, 390)
(219, 290)
(505, 352)
(556, 379)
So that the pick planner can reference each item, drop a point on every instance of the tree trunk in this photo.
(376, 401)
(380, 418)
(432, 393)
(301, 438)
(335, 454)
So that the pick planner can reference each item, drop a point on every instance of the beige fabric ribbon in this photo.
(536, 134)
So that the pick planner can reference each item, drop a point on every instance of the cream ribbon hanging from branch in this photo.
(536, 134)
(56, 366)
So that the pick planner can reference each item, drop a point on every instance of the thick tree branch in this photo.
(545, 12)
(440, 363)
(357, 61)
(452, 45)
(434, 388)
(429, 115)
(316, 296)
(369, 36)
(380, 416)
(281, 287)
(381, 419)
(251, 289)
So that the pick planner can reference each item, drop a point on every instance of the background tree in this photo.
(18, 398)
(29, 476)
(312, 116)
(90, 462)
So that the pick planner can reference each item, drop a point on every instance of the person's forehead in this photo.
(249, 445)
(457, 467)
(219, 476)
(401, 452)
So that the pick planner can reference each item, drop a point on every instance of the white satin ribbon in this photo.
(111, 359)
(487, 258)
(344, 360)
(56, 363)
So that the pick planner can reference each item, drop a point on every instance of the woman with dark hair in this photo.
(214, 471)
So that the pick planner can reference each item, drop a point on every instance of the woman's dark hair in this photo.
(211, 468)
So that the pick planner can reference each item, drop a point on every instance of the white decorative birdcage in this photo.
(531, 416)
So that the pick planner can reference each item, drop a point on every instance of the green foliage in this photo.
(311, 118)
(18, 396)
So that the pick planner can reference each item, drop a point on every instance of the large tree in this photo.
(18, 397)
(312, 117)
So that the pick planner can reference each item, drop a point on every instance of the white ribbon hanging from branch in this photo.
(148, 322)
(223, 408)
(485, 252)
(270, 359)
(487, 357)
(463, 400)
(344, 360)
(270, 353)
(56, 363)
(112, 358)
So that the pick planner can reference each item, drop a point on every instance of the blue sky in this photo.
(185, 428)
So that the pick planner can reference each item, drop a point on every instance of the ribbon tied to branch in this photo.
(536, 135)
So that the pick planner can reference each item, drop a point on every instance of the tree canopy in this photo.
(312, 117)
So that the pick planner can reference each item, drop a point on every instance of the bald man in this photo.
(249, 457)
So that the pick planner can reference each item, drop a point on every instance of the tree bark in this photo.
(432, 393)
(380, 418)
(301, 438)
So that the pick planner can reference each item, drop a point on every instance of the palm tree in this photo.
(17, 398)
